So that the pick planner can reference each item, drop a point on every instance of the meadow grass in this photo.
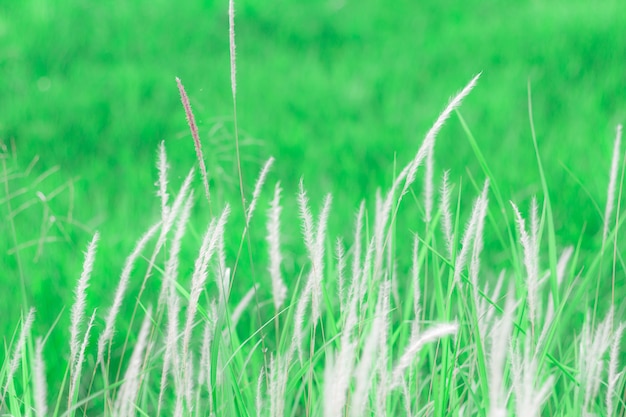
(360, 330)
(408, 316)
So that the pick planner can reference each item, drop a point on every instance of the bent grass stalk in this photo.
(193, 127)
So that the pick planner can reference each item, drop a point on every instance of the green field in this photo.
(340, 93)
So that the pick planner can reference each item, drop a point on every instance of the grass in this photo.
(345, 320)
(434, 335)
(85, 89)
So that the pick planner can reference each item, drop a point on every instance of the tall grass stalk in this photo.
(193, 127)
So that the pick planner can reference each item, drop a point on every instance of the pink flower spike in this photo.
(191, 121)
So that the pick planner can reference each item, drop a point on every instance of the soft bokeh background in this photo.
(338, 91)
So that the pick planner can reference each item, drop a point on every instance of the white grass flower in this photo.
(188, 381)
(233, 47)
(415, 281)
(534, 239)
(210, 243)
(174, 211)
(351, 317)
(406, 399)
(337, 374)
(548, 316)
(204, 370)
(298, 321)
(162, 167)
(528, 398)
(125, 404)
(307, 220)
(470, 232)
(428, 183)
(243, 304)
(214, 233)
(562, 264)
(341, 278)
(204, 377)
(171, 355)
(170, 276)
(340, 366)
(222, 273)
(18, 351)
(363, 372)
(534, 222)
(279, 289)
(613, 375)
(109, 325)
(500, 340)
(428, 143)
(259, 394)
(78, 308)
(381, 231)
(257, 189)
(446, 213)
(610, 194)
(383, 349)
(320, 246)
(173, 214)
(179, 407)
(40, 389)
(477, 248)
(276, 389)
(80, 360)
(314, 241)
(415, 345)
(356, 251)
(593, 346)
(531, 261)
(366, 273)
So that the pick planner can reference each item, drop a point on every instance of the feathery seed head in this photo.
(78, 309)
(610, 194)
(193, 127)
(279, 289)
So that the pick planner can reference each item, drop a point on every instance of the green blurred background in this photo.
(335, 90)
